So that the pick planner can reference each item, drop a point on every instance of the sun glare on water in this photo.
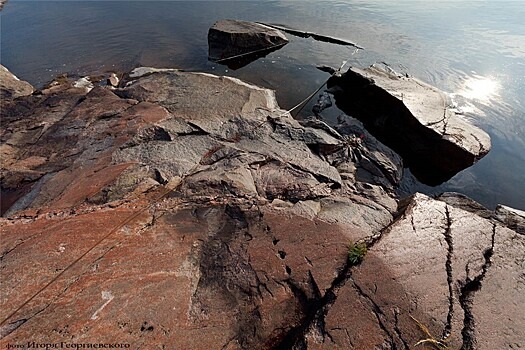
(479, 88)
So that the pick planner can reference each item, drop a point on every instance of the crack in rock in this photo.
(468, 289)
(398, 331)
(316, 310)
(377, 312)
(448, 267)
(9, 328)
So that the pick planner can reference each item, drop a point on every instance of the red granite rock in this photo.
(136, 218)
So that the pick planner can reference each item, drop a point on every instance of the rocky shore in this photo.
(188, 211)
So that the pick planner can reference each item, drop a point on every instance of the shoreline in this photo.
(188, 210)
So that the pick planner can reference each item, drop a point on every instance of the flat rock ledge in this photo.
(413, 118)
(188, 211)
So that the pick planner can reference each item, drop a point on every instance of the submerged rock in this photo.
(238, 43)
(413, 118)
(323, 102)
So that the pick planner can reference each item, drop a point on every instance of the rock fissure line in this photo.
(319, 177)
(398, 331)
(228, 342)
(412, 223)
(382, 169)
(468, 289)
(448, 267)
(316, 311)
(296, 334)
(442, 120)
(481, 147)
(377, 312)
(372, 240)
(347, 335)
(445, 121)
(9, 328)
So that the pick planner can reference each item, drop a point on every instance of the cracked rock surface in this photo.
(187, 211)
(413, 118)
(439, 264)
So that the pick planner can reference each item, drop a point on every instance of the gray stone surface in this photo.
(512, 217)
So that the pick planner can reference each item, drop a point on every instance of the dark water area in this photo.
(473, 50)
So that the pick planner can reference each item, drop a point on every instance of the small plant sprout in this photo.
(356, 253)
(431, 340)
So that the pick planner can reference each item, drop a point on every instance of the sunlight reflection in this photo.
(479, 88)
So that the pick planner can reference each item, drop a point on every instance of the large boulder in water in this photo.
(230, 38)
(413, 118)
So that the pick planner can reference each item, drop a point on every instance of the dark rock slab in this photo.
(414, 119)
(238, 43)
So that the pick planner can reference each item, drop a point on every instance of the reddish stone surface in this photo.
(146, 222)
(185, 274)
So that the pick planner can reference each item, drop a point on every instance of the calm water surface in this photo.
(474, 50)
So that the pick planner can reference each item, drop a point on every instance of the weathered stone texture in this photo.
(188, 211)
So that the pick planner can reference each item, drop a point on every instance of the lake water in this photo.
(474, 50)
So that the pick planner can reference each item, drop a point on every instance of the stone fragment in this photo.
(113, 80)
(84, 83)
(414, 119)
(10, 86)
(230, 38)
(323, 102)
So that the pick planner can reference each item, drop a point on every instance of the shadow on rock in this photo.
(414, 119)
